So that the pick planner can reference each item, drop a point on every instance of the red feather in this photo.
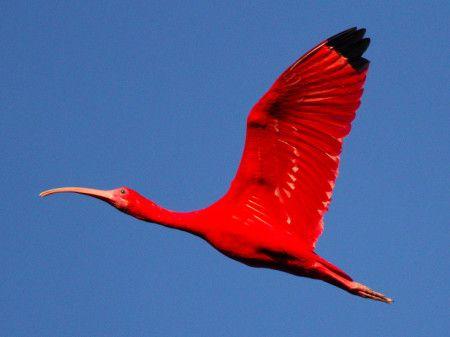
(294, 139)
(273, 213)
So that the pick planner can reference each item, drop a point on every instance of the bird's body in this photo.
(256, 243)
(272, 214)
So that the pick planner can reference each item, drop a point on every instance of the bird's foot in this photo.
(363, 291)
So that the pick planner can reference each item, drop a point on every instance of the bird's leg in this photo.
(364, 291)
(326, 274)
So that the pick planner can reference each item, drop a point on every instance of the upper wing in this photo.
(294, 137)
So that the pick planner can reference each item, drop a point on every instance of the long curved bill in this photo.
(99, 194)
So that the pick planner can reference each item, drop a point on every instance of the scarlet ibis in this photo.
(272, 215)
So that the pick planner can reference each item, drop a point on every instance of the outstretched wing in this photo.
(294, 137)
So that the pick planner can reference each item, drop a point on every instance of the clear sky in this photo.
(154, 95)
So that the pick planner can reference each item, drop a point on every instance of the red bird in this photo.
(272, 214)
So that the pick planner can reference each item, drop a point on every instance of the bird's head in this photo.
(123, 198)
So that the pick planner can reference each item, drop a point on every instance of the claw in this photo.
(363, 291)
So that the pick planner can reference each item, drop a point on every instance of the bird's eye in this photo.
(122, 191)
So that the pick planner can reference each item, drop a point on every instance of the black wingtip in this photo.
(351, 44)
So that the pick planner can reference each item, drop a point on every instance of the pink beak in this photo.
(99, 194)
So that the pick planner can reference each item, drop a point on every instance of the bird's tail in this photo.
(333, 268)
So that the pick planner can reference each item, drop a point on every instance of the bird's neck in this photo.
(147, 210)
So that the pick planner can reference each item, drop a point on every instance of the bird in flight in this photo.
(272, 214)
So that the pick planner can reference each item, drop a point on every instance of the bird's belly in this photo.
(246, 247)
(234, 245)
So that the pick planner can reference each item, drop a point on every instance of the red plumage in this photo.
(272, 214)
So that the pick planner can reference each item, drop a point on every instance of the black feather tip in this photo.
(351, 44)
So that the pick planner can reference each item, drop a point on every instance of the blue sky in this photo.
(154, 96)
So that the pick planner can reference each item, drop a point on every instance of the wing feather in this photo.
(295, 134)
